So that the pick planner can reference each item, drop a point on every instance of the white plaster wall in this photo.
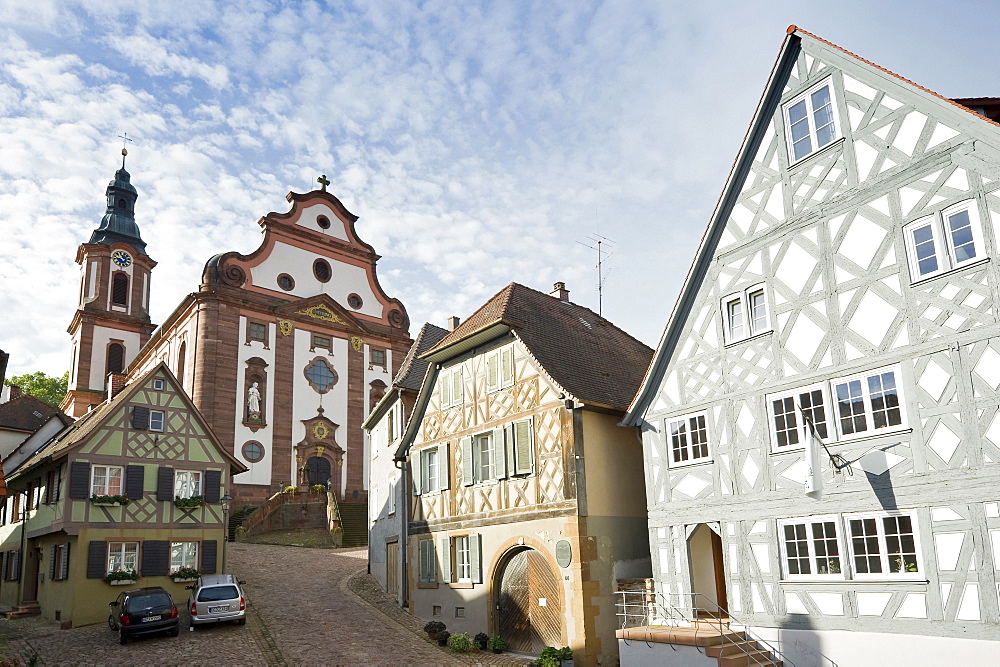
(99, 355)
(260, 472)
(298, 263)
(637, 652)
(338, 228)
(373, 373)
(305, 399)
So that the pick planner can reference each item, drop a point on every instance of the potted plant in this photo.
(121, 577)
(433, 627)
(555, 657)
(183, 574)
(443, 637)
(108, 501)
(460, 642)
(318, 488)
(497, 644)
(480, 640)
(565, 656)
(290, 489)
(193, 501)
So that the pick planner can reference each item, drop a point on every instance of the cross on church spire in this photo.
(124, 138)
(323, 182)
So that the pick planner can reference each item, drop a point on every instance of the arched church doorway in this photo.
(529, 606)
(317, 470)
(708, 576)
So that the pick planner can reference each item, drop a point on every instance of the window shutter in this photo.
(52, 562)
(97, 559)
(445, 390)
(165, 483)
(209, 551)
(134, 479)
(422, 483)
(507, 366)
(3, 566)
(523, 446)
(213, 482)
(155, 558)
(444, 466)
(508, 445)
(468, 467)
(475, 557)
(498, 453)
(445, 560)
(140, 417)
(492, 372)
(79, 479)
(57, 483)
(64, 562)
(15, 564)
(428, 566)
(457, 389)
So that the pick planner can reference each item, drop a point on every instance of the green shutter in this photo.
(507, 366)
(499, 454)
(445, 560)
(443, 466)
(523, 446)
(468, 465)
(457, 393)
(475, 557)
(420, 482)
(445, 389)
(508, 445)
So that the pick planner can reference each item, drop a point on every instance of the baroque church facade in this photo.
(283, 350)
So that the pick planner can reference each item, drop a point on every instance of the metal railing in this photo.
(648, 608)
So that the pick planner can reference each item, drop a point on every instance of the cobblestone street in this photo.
(307, 606)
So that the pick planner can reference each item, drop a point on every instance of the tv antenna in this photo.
(605, 247)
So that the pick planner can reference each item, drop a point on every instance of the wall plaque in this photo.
(564, 553)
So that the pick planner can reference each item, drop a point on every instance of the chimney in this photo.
(15, 392)
(560, 292)
(453, 322)
(116, 382)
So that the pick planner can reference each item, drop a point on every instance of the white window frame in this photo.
(62, 561)
(154, 416)
(448, 381)
(391, 499)
(810, 120)
(191, 479)
(158, 385)
(500, 368)
(187, 555)
(128, 552)
(688, 446)
(751, 326)
(441, 478)
(463, 559)
(811, 541)
(107, 491)
(944, 241)
(870, 428)
(485, 467)
(882, 544)
(800, 425)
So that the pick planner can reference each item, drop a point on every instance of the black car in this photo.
(143, 611)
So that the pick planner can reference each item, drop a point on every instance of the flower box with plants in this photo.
(460, 643)
(183, 574)
(434, 627)
(290, 489)
(481, 640)
(497, 644)
(121, 577)
(318, 488)
(108, 501)
(443, 637)
(187, 503)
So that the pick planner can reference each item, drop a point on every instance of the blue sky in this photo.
(478, 142)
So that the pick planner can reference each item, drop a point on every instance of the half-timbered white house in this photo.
(849, 279)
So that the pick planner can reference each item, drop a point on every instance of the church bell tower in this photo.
(112, 315)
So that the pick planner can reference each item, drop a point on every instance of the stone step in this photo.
(732, 648)
(693, 636)
(25, 609)
(752, 658)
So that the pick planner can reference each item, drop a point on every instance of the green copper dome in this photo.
(118, 223)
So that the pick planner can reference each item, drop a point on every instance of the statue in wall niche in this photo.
(253, 401)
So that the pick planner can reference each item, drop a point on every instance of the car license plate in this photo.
(213, 610)
(149, 619)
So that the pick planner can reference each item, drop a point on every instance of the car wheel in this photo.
(242, 621)
(111, 622)
(175, 631)
(122, 637)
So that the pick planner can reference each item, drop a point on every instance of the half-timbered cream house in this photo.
(842, 308)
(135, 486)
(527, 498)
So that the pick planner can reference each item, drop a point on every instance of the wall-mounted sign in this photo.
(564, 553)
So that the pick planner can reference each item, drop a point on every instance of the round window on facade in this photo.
(322, 270)
(286, 282)
(253, 451)
(354, 301)
(323, 221)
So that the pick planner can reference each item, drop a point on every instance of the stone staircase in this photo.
(712, 637)
(354, 521)
(25, 609)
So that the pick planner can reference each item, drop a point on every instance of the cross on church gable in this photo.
(323, 182)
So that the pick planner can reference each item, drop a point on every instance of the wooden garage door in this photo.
(530, 616)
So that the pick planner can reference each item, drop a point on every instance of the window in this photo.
(390, 500)
(60, 562)
(688, 439)
(487, 456)
(377, 357)
(156, 420)
(520, 441)
(158, 385)
(324, 342)
(746, 314)
(788, 428)
(15, 508)
(433, 469)
(320, 375)
(484, 448)
(257, 331)
(187, 483)
(427, 561)
(322, 270)
(500, 368)
(354, 301)
(944, 241)
(323, 221)
(463, 564)
(119, 289)
(867, 403)
(253, 451)
(183, 554)
(106, 480)
(116, 358)
(122, 556)
(286, 282)
(811, 548)
(452, 387)
(883, 545)
(811, 121)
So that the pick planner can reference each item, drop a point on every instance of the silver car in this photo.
(216, 598)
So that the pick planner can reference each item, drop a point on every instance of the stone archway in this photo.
(529, 608)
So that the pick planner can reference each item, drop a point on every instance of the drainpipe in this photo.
(403, 510)
(23, 558)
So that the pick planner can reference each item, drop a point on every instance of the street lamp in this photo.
(226, 499)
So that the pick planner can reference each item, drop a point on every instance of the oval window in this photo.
(253, 451)
(322, 269)
(286, 282)
(323, 221)
(354, 301)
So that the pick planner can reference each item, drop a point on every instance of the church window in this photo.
(156, 420)
(354, 301)
(183, 554)
(323, 221)
(257, 331)
(322, 270)
(116, 357)
(253, 451)
(746, 314)
(122, 203)
(944, 241)
(324, 342)
(320, 375)
(106, 480)
(286, 282)
(187, 483)
(181, 358)
(119, 289)
(377, 356)
(811, 121)
(688, 439)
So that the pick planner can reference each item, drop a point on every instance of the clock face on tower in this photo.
(121, 258)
